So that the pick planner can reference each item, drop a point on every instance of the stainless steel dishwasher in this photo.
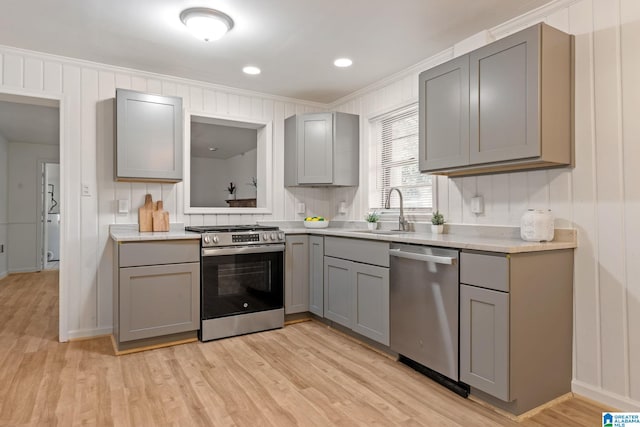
(423, 312)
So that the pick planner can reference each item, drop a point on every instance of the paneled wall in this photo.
(4, 199)
(86, 91)
(600, 197)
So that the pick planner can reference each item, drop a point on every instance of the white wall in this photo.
(208, 182)
(87, 91)
(600, 197)
(23, 215)
(4, 202)
(238, 167)
(210, 178)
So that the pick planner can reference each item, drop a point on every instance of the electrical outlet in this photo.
(86, 190)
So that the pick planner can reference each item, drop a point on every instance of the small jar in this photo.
(536, 225)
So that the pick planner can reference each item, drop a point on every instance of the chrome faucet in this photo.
(402, 223)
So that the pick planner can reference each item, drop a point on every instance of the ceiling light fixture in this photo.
(213, 148)
(250, 69)
(206, 24)
(342, 62)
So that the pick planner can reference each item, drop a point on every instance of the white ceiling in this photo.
(294, 42)
(36, 124)
(228, 140)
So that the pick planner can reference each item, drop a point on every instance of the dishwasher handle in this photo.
(423, 257)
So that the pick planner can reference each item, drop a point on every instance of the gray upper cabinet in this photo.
(148, 137)
(518, 93)
(444, 115)
(321, 149)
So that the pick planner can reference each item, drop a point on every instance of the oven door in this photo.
(241, 280)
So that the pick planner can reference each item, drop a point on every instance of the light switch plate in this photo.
(86, 190)
(301, 208)
(123, 206)
(477, 205)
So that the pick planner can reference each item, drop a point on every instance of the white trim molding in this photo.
(614, 400)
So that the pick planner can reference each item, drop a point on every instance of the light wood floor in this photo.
(305, 374)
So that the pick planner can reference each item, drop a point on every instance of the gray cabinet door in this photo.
(296, 280)
(316, 275)
(149, 137)
(504, 104)
(371, 302)
(337, 290)
(315, 148)
(444, 115)
(484, 340)
(159, 300)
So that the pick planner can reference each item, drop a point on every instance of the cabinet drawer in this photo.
(489, 271)
(366, 251)
(134, 254)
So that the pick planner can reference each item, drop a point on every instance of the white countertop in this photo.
(481, 243)
(482, 238)
(130, 233)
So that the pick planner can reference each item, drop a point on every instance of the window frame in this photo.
(375, 151)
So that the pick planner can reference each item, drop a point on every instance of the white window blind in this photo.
(397, 162)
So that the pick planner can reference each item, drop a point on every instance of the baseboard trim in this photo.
(80, 334)
(3, 274)
(604, 397)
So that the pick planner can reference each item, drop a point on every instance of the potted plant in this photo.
(232, 191)
(437, 222)
(372, 220)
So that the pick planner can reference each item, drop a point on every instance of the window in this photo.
(396, 162)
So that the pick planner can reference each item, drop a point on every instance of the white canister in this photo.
(536, 225)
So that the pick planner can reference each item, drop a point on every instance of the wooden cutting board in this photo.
(145, 215)
(160, 218)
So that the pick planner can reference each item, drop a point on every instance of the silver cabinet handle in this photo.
(245, 250)
(422, 257)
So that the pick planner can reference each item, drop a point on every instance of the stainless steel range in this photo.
(242, 280)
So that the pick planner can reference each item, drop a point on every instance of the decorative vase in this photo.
(437, 229)
(231, 196)
(372, 225)
(536, 225)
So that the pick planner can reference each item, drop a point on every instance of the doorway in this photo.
(30, 160)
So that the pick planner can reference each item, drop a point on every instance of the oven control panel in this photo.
(238, 239)
(244, 238)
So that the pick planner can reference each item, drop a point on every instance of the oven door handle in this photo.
(242, 251)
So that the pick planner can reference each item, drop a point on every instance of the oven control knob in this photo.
(273, 236)
(215, 239)
(206, 239)
(281, 235)
(265, 236)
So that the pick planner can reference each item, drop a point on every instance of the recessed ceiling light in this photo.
(213, 149)
(250, 69)
(342, 62)
(206, 24)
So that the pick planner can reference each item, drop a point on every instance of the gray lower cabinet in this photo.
(516, 325)
(156, 295)
(322, 149)
(503, 107)
(296, 279)
(148, 137)
(484, 340)
(316, 275)
(371, 302)
(337, 290)
(356, 294)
